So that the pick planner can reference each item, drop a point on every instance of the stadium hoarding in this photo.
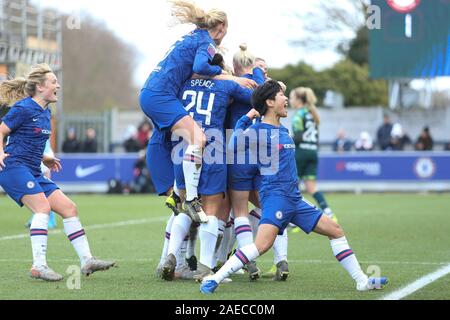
(378, 171)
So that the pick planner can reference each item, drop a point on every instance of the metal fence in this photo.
(101, 123)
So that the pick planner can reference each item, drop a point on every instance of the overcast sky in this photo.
(265, 25)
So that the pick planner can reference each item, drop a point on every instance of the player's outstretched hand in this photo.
(246, 83)
(3, 156)
(253, 114)
(53, 164)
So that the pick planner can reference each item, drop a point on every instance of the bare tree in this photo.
(98, 68)
(331, 24)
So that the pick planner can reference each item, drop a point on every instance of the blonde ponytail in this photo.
(20, 88)
(306, 95)
(188, 12)
(244, 59)
(12, 91)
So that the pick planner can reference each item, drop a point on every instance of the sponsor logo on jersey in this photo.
(42, 131)
(286, 146)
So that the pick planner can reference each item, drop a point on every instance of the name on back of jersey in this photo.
(202, 83)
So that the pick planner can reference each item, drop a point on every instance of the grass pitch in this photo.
(405, 236)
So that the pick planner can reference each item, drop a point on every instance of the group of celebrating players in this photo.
(192, 99)
(209, 176)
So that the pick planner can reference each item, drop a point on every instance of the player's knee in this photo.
(263, 247)
(201, 140)
(337, 232)
(71, 211)
(43, 208)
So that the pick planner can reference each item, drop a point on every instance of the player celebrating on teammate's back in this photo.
(159, 97)
(28, 127)
(207, 101)
(281, 200)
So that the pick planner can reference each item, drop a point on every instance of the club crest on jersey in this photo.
(211, 51)
(279, 215)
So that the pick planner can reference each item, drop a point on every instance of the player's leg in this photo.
(67, 209)
(222, 253)
(208, 235)
(264, 241)
(40, 207)
(344, 254)
(25, 190)
(168, 113)
(255, 214)
(192, 164)
(310, 178)
(166, 245)
(223, 215)
(243, 229)
(178, 233)
(280, 250)
(311, 188)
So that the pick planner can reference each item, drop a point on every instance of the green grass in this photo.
(407, 236)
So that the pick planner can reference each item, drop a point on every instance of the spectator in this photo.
(144, 133)
(342, 144)
(425, 141)
(384, 134)
(364, 142)
(71, 144)
(132, 144)
(142, 182)
(90, 143)
(447, 147)
(399, 138)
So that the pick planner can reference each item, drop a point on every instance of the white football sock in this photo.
(222, 253)
(77, 237)
(181, 257)
(255, 218)
(347, 259)
(193, 235)
(221, 232)
(237, 262)
(192, 168)
(208, 239)
(280, 248)
(180, 229)
(39, 238)
(167, 239)
(243, 230)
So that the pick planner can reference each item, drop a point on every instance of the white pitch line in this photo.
(418, 284)
(94, 227)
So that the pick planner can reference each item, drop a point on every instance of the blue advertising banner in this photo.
(364, 167)
(373, 167)
(88, 169)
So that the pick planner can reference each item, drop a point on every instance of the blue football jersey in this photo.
(274, 150)
(30, 130)
(207, 101)
(189, 55)
(238, 109)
